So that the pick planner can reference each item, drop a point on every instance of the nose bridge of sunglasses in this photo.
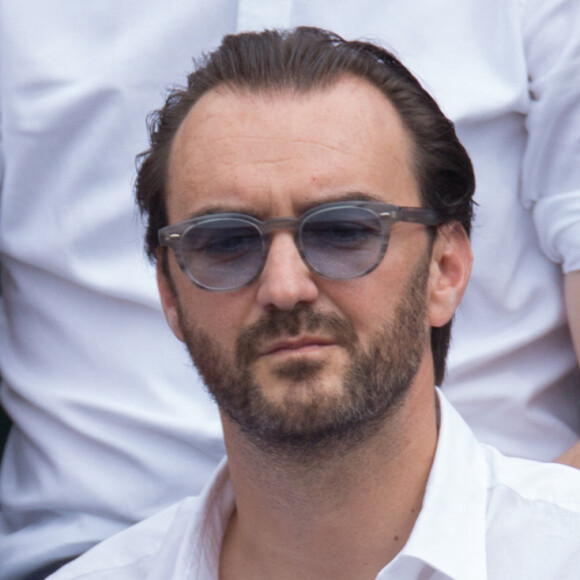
(273, 225)
(283, 223)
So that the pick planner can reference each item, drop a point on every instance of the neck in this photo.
(345, 516)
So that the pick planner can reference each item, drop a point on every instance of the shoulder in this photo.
(533, 518)
(521, 518)
(129, 554)
(165, 544)
(547, 483)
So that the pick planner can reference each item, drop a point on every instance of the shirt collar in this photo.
(450, 532)
(193, 542)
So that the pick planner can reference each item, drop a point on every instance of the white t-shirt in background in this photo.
(111, 422)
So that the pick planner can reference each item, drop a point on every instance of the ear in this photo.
(450, 268)
(168, 297)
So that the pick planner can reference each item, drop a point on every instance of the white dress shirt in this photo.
(111, 422)
(484, 517)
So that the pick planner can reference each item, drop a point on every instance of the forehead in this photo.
(283, 150)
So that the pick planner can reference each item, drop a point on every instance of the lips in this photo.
(295, 331)
(295, 344)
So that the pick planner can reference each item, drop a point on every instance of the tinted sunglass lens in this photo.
(223, 254)
(342, 243)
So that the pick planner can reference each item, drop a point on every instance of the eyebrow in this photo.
(301, 208)
(348, 196)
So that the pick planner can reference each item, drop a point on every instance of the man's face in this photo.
(295, 359)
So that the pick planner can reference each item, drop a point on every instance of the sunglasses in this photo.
(338, 241)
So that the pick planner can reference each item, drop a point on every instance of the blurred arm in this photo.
(572, 290)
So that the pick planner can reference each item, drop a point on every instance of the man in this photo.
(309, 208)
(99, 390)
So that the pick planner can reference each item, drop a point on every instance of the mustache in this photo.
(302, 319)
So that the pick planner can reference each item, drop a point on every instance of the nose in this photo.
(285, 280)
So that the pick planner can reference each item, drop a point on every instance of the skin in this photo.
(572, 293)
(274, 155)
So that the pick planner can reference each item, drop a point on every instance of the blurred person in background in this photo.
(109, 425)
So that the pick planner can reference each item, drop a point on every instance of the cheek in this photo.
(220, 316)
(370, 302)
(366, 302)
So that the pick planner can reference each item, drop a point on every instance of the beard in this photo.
(373, 384)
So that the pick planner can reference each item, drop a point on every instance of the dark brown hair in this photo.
(307, 59)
